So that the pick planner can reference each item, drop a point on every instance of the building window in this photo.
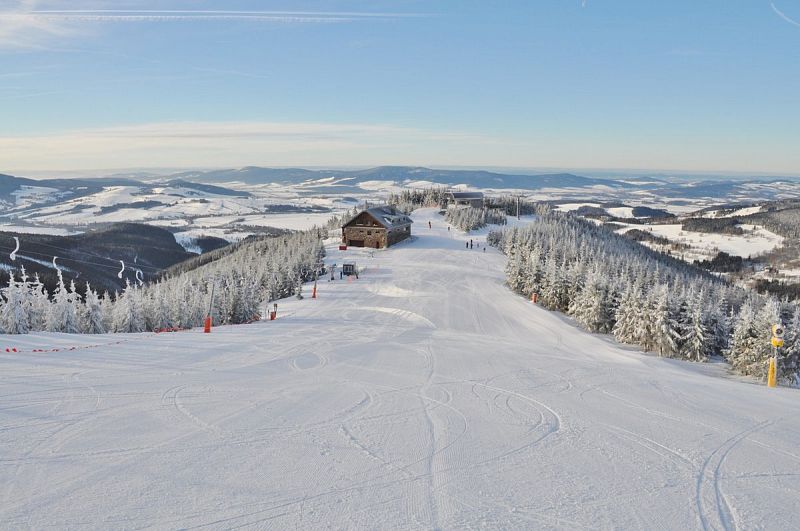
(369, 233)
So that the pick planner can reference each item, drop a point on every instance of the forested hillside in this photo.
(611, 284)
(93, 256)
(243, 279)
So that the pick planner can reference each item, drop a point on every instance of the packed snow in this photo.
(424, 394)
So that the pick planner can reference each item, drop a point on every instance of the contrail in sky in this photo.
(783, 15)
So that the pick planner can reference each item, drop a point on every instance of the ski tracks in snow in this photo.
(713, 508)
(424, 395)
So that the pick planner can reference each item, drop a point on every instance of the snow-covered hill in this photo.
(235, 203)
(422, 395)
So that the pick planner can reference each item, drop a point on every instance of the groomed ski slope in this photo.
(422, 395)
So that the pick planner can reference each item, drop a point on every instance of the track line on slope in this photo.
(651, 445)
(433, 505)
(723, 510)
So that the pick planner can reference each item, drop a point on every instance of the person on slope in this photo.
(429, 225)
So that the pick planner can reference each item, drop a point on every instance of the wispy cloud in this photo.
(27, 25)
(193, 144)
(117, 15)
(783, 15)
(20, 31)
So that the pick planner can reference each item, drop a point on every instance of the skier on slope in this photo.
(429, 225)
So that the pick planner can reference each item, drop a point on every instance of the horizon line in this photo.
(645, 172)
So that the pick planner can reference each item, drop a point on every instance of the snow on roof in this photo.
(388, 216)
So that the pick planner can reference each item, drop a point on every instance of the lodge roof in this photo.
(388, 216)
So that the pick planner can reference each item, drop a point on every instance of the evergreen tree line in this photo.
(408, 200)
(471, 218)
(336, 222)
(781, 217)
(242, 281)
(508, 204)
(613, 285)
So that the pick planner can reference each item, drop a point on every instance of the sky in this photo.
(692, 85)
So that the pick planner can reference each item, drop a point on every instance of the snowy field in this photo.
(26, 229)
(422, 395)
(756, 240)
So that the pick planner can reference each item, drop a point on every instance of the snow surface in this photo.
(757, 240)
(422, 395)
(746, 211)
(27, 195)
(292, 220)
(621, 212)
(570, 207)
(27, 229)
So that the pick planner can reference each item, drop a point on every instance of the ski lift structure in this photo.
(350, 269)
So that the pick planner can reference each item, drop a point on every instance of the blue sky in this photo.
(681, 85)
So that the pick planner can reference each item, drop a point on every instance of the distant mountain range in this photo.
(399, 175)
(18, 194)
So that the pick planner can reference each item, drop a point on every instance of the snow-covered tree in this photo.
(15, 316)
(63, 315)
(128, 312)
(93, 320)
(592, 306)
(666, 328)
(697, 341)
(39, 304)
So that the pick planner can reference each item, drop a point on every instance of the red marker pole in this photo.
(207, 324)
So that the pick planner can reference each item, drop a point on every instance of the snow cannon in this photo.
(772, 373)
(777, 335)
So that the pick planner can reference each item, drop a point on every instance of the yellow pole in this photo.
(771, 375)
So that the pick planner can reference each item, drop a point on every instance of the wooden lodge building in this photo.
(377, 228)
